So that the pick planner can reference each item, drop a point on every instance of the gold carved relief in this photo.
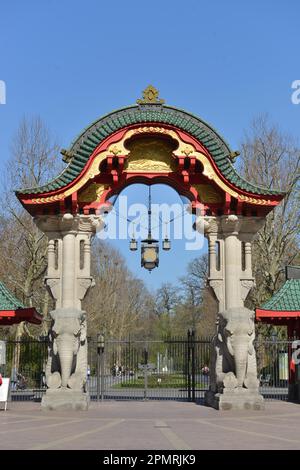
(150, 96)
(43, 200)
(208, 194)
(150, 154)
(92, 193)
(252, 200)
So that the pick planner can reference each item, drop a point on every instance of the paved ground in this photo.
(150, 425)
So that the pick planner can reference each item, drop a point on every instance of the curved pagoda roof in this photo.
(147, 111)
(286, 301)
(13, 311)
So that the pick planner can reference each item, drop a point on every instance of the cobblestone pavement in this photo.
(150, 425)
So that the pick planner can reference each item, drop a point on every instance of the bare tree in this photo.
(271, 159)
(33, 161)
(119, 304)
(198, 308)
(166, 299)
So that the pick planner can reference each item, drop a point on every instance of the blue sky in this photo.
(72, 61)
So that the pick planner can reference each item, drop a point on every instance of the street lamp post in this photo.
(100, 366)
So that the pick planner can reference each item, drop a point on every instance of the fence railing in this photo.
(170, 369)
(25, 365)
(273, 366)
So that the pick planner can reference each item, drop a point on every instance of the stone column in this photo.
(233, 373)
(68, 282)
(233, 261)
(68, 271)
(216, 273)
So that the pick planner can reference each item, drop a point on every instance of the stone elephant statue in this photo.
(67, 355)
(233, 361)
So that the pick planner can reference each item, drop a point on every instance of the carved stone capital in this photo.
(69, 223)
(231, 224)
(207, 224)
(217, 285)
(246, 286)
(245, 227)
(83, 285)
(53, 286)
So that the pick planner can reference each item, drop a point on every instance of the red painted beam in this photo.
(10, 317)
(260, 314)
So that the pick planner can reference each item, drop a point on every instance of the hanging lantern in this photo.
(133, 245)
(166, 244)
(150, 248)
(149, 254)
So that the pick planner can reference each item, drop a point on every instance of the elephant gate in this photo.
(150, 143)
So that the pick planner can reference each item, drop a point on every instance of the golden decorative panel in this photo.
(208, 194)
(150, 154)
(92, 193)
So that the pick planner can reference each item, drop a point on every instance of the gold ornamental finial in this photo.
(150, 96)
(233, 156)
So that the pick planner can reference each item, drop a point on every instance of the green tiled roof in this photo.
(7, 300)
(286, 299)
(83, 146)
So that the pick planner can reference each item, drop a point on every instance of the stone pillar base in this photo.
(65, 399)
(236, 399)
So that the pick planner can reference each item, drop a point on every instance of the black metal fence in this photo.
(25, 365)
(170, 369)
(274, 368)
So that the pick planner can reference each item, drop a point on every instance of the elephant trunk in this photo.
(65, 349)
(241, 359)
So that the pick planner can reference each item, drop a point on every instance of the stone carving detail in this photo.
(68, 222)
(246, 286)
(83, 285)
(53, 287)
(217, 286)
(67, 358)
(233, 363)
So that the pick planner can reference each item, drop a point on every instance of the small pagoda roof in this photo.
(285, 302)
(13, 311)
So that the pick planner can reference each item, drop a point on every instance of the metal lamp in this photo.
(133, 246)
(150, 248)
(149, 254)
(166, 244)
